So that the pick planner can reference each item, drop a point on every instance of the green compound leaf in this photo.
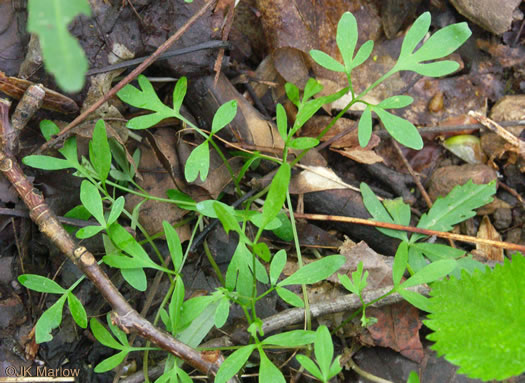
(146, 98)
(63, 56)
(479, 321)
(440, 44)
(456, 207)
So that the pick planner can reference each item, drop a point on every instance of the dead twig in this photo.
(440, 234)
(126, 80)
(123, 314)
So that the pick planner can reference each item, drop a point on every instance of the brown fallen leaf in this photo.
(488, 231)
(397, 328)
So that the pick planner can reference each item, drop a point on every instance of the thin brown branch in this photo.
(123, 314)
(440, 234)
(126, 80)
(344, 303)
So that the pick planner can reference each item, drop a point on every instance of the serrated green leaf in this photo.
(174, 245)
(277, 265)
(38, 161)
(179, 92)
(41, 284)
(294, 338)
(198, 162)
(379, 212)
(364, 129)
(48, 129)
(430, 273)
(233, 363)
(90, 198)
(456, 207)
(111, 362)
(304, 143)
(479, 321)
(99, 152)
(346, 38)
(289, 297)
(63, 56)
(268, 372)
(224, 115)
(315, 271)
(77, 310)
(403, 131)
(277, 193)
(326, 61)
(49, 320)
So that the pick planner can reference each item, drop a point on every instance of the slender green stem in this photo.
(307, 313)
(214, 264)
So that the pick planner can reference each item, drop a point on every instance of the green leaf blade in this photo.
(41, 284)
(63, 55)
(233, 363)
(315, 271)
(90, 198)
(99, 152)
(479, 321)
(326, 61)
(277, 193)
(224, 115)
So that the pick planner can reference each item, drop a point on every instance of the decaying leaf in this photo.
(488, 231)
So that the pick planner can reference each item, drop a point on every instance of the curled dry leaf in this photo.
(488, 231)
